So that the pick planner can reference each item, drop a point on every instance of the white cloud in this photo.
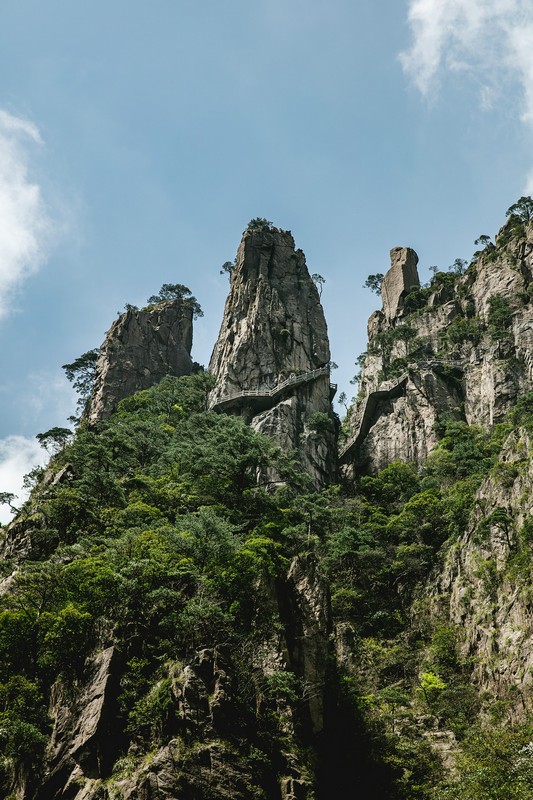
(24, 223)
(492, 40)
(18, 455)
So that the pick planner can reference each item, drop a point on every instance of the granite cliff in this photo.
(462, 347)
(185, 616)
(140, 348)
(271, 360)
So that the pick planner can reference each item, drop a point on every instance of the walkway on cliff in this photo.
(370, 402)
(388, 391)
(266, 394)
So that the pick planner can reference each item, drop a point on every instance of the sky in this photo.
(138, 139)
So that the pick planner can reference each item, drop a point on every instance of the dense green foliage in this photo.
(499, 317)
(163, 537)
(259, 224)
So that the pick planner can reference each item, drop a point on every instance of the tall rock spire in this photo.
(272, 357)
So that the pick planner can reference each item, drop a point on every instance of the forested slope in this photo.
(172, 625)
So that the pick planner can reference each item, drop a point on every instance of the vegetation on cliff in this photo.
(173, 617)
(158, 539)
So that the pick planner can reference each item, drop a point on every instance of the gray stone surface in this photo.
(140, 348)
(274, 327)
(80, 742)
(494, 615)
(477, 381)
(399, 280)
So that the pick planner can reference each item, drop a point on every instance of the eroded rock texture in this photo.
(140, 348)
(273, 345)
(399, 280)
(233, 727)
(482, 589)
(464, 350)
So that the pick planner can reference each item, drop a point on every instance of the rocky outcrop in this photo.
(484, 586)
(398, 421)
(209, 737)
(464, 349)
(84, 740)
(271, 360)
(140, 348)
(399, 280)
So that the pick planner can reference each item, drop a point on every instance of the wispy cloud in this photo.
(24, 223)
(18, 455)
(485, 36)
(489, 40)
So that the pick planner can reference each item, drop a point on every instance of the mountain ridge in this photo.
(192, 609)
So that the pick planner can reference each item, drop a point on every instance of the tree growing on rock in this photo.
(81, 373)
(523, 209)
(373, 282)
(177, 291)
(227, 268)
(259, 224)
(458, 267)
(6, 498)
(55, 439)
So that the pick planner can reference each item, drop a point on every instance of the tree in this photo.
(319, 282)
(483, 240)
(6, 498)
(259, 224)
(523, 209)
(499, 316)
(81, 373)
(458, 267)
(373, 282)
(227, 268)
(54, 440)
(495, 764)
(177, 291)
(343, 400)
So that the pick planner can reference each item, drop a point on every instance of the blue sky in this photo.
(138, 139)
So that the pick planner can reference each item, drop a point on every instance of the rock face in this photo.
(271, 360)
(399, 280)
(463, 349)
(206, 740)
(84, 740)
(480, 590)
(140, 348)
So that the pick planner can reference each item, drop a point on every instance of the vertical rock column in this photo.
(274, 331)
